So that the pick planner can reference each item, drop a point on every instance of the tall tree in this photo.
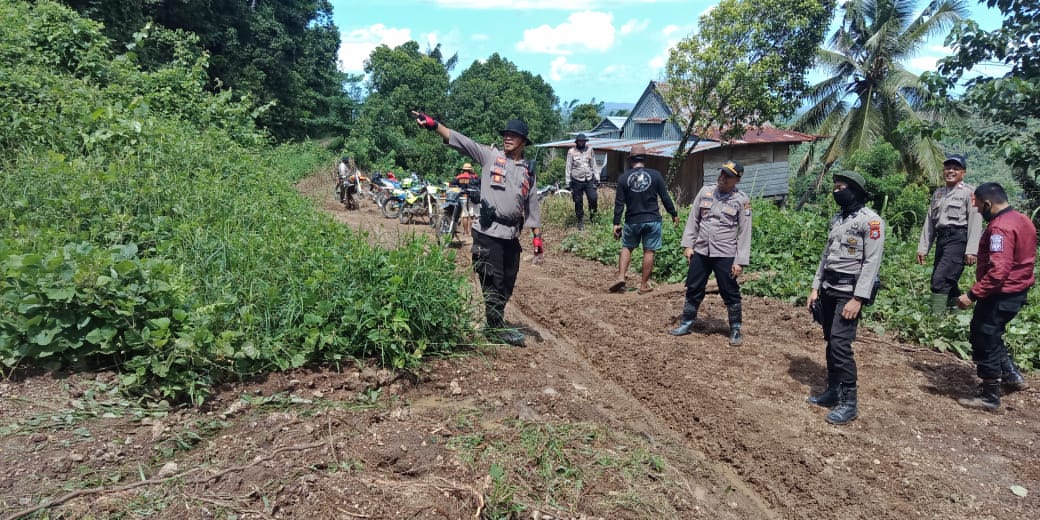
(400, 79)
(489, 93)
(282, 53)
(869, 93)
(585, 116)
(732, 75)
(1011, 101)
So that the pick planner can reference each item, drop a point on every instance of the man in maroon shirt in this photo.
(1003, 276)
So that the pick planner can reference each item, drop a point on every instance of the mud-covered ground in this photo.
(602, 415)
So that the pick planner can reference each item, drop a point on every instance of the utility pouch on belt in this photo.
(487, 215)
(817, 312)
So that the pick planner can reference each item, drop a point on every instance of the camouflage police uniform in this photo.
(508, 203)
(848, 269)
(719, 232)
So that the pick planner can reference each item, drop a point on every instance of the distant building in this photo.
(763, 150)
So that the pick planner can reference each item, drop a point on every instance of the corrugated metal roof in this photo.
(656, 148)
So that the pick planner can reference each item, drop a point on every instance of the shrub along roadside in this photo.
(785, 252)
(164, 238)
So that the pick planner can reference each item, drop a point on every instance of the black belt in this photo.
(511, 222)
(836, 278)
(949, 230)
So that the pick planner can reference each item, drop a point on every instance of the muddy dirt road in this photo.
(602, 415)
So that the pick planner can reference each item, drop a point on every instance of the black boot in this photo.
(735, 338)
(828, 398)
(1010, 378)
(988, 397)
(689, 315)
(845, 411)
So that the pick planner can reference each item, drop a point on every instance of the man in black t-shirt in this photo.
(636, 198)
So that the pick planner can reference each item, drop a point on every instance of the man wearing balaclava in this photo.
(844, 281)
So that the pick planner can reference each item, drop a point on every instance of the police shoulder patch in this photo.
(875, 229)
(996, 243)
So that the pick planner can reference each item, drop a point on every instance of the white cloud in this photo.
(585, 29)
(634, 26)
(561, 69)
(614, 72)
(558, 5)
(357, 45)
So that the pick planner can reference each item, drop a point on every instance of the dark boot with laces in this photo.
(689, 315)
(846, 410)
(1010, 378)
(828, 398)
(987, 399)
(735, 317)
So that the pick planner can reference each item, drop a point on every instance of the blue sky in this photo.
(603, 49)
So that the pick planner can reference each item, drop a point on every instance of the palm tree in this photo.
(870, 96)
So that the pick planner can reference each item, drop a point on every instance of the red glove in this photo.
(426, 121)
(539, 246)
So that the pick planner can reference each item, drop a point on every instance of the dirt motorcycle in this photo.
(451, 213)
(348, 189)
(421, 203)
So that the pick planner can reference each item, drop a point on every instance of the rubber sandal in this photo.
(618, 286)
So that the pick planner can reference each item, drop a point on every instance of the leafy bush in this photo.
(166, 239)
(785, 251)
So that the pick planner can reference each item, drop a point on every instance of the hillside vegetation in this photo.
(148, 226)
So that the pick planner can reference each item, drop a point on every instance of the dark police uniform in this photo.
(508, 203)
(955, 227)
(848, 268)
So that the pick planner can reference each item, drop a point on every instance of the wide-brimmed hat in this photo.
(852, 178)
(581, 137)
(637, 153)
(957, 158)
(732, 168)
(517, 127)
(467, 167)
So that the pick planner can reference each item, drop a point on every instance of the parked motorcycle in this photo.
(420, 203)
(552, 189)
(451, 212)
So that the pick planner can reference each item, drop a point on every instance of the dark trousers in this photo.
(579, 190)
(839, 334)
(986, 332)
(496, 262)
(697, 279)
(950, 244)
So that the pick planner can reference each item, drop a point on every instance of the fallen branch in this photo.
(150, 482)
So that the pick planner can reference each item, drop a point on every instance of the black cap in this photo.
(732, 168)
(517, 127)
(957, 158)
(581, 137)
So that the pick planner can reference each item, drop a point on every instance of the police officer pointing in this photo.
(844, 281)
(508, 203)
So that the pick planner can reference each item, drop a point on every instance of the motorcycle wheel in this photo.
(392, 208)
(446, 229)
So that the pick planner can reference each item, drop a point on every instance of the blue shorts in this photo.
(647, 233)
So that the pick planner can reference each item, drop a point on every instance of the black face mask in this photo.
(845, 197)
(580, 146)
(987, 212)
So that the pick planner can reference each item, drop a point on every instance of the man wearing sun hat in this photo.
(845, 280)
(469, 182)
(954, 226)
(717, 239)
(582, 174)
(508, 203)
